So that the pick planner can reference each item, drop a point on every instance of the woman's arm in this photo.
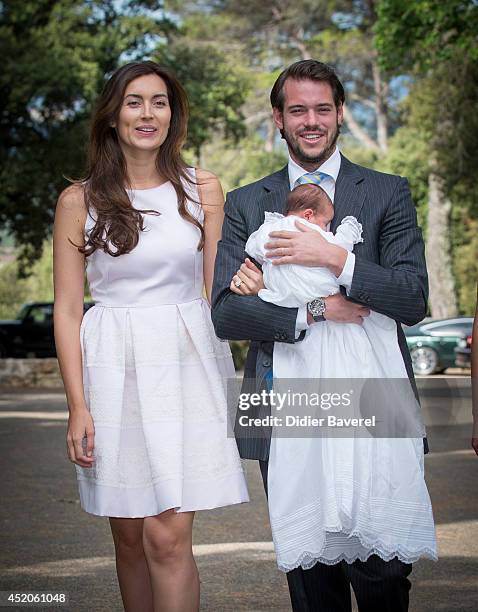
(68, 274)
(212, 202)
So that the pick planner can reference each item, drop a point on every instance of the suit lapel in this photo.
(276, 187)
(349, 193)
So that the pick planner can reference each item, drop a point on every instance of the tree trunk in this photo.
(358, 132)
(381, 92)
(443, 302)
(298, 39)
(270, 138)
(199, 156)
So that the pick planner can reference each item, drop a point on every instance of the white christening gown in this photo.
(155, 375)
(291, 285)
(332, 499)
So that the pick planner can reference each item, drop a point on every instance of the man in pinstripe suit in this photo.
(386, 272)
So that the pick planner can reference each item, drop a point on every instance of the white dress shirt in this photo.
(331, 167)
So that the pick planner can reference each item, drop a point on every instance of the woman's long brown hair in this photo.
(118, 223)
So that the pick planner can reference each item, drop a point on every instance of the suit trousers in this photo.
(379, 586)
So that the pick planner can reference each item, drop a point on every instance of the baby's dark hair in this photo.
(310, 196)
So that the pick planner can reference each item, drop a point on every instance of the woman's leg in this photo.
(131, 566)
(167, 542)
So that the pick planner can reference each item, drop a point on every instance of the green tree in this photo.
(216, 88)
(245, 163)
(274, 34)
(13, 292)
(54, 56)
(435, 43)
(38, 287)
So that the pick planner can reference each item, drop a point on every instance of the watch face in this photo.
(317, 308)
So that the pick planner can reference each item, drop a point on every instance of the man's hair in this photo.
(310, 196)
(307, 70)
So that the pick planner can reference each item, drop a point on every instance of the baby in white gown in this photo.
(292, 285)
(372, 349)
(333, 499)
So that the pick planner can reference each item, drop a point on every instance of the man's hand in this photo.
(306, 248)
(340, 310)
(247, 280)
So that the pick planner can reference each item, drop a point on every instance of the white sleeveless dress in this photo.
(155, 374)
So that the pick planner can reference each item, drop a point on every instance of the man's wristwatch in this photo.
(317, 308)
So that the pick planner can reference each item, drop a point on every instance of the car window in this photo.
(23, 312)
(41, 314)
(451, 328)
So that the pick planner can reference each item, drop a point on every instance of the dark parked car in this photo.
(31, 333)
(432, 343)
(463, 353)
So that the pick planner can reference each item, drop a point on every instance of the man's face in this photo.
(310, 121)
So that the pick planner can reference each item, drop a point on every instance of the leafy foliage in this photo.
(436, 43)
(228, 54)
(425, 32)
(37, 287)
(245, 163)
(217, 89)
(54, 56)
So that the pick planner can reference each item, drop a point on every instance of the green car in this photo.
(432, 343)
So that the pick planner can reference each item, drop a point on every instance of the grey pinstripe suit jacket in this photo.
(390, 272)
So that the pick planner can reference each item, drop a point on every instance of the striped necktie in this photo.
(311, 178)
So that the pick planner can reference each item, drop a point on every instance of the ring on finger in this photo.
(238, 282)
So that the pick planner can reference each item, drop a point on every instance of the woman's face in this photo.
(145, 115)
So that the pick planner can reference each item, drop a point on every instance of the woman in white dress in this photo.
(143, 371)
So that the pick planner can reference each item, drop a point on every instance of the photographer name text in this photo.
(305, 421)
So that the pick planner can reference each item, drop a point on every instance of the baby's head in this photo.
(310, 202)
